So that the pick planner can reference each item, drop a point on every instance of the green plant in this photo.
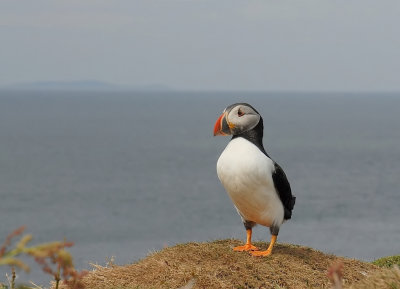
(387, 262)
(52, 257)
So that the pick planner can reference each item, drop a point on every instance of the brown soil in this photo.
(215, 265)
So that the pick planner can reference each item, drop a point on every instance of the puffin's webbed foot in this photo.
(248, 246)
(261, 253)
(268, 251)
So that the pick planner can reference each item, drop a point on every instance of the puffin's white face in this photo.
(236, 119)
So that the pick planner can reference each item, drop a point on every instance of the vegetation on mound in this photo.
(216, 265)
(387, 262)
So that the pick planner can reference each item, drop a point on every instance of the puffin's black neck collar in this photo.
(255, 136)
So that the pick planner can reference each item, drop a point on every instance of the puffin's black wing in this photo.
(282, 186)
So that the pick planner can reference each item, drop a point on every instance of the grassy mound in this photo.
(215, 265)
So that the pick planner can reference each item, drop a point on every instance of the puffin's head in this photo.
(236, 119)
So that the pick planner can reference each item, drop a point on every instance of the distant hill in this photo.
(87, 85)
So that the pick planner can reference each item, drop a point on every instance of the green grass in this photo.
(387, 262)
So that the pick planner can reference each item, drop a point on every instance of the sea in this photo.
(125, 174)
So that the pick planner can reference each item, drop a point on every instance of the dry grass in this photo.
(387, 279)
(215, 265)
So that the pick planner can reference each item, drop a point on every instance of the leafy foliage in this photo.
(53, 258)
(387, 262)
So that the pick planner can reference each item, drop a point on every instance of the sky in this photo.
(255, 45)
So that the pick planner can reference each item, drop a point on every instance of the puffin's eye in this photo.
(240, 113)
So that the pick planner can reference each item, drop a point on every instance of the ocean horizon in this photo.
(122, 174)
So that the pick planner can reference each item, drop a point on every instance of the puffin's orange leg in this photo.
(248, 246)
(268, 251)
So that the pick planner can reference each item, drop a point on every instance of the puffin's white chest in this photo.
(246, 174)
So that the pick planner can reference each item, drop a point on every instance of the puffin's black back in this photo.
(281, 182)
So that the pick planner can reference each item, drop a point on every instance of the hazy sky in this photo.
(204, 44)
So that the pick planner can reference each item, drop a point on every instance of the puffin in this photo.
(256, 184)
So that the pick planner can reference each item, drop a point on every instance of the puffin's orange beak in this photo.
(221, 126)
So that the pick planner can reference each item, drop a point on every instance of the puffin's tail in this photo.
(289, 208)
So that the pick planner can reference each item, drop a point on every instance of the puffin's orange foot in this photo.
(247, 247)
(261, 253)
